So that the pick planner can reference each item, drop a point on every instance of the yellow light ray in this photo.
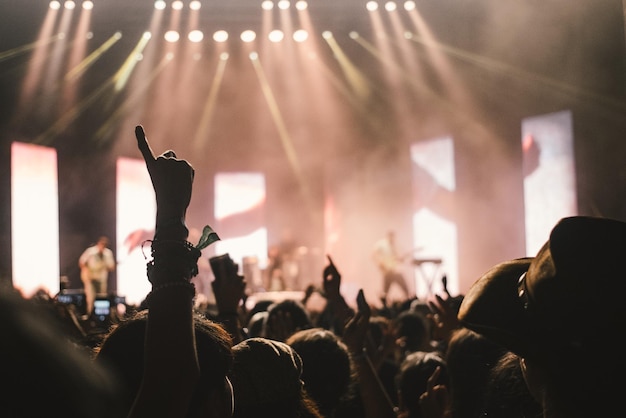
(93, 57)
(283, 134)
(209, 106)
(121, 77)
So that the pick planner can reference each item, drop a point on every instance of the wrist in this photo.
(172, 228)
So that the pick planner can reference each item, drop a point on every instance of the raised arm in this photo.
(337, 306)
(171, 368)
(376, 401)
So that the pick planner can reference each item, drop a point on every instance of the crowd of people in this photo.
(526, 340)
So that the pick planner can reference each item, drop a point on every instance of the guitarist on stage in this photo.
(95, 264)
(386, 257)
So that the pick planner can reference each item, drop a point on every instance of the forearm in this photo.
(171, 368)
(376, 401)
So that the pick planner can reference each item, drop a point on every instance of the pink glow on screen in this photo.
(34, 218)
(136, 212)
(549, 175)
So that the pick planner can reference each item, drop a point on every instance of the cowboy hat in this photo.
(565, 299)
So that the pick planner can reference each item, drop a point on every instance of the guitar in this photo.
(388, 262)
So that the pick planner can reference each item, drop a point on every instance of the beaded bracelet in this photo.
(190, 287)
(173, 259)
(164, 271)
(171, 247)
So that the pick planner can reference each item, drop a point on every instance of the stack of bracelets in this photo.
(175, 262)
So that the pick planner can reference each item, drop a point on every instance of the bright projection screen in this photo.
(136, 212)
(34, 219)
(549, 175)
(434, 224)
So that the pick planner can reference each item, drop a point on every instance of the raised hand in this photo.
(444, 318)
(332, 280)
(172, 180)
(435, 402)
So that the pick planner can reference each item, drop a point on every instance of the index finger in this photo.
(330, 260)
(430, 383)
(142, 144)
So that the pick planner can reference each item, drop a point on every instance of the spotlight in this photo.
(195, 5)
(159, 5)
(409, 5)
(248, 35)
(195, 36)
(87, 5)
(171, 36)
(69, 5)
(177, 5)
(300, 35)
(302, 5)
(267, 5)
(372, 6)
(390, 6)
(276, 35)
(55, 5)
(220, 36)
(283, 4)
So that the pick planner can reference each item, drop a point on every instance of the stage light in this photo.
(390, 6)
(248, 35)
(302, 5)
(276, 35)
(267, 5)
(196, 36)
(159, 5)
(327, 34)
(177, 5)
(87, 5)
(409, 5)
(220, 36)
(372, 6)
(284, 4)
(300, 35)
(55, 5)
(195, 5)
(69, 5)
(171, 36)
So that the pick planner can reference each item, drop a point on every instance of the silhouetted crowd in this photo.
(533, 337)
